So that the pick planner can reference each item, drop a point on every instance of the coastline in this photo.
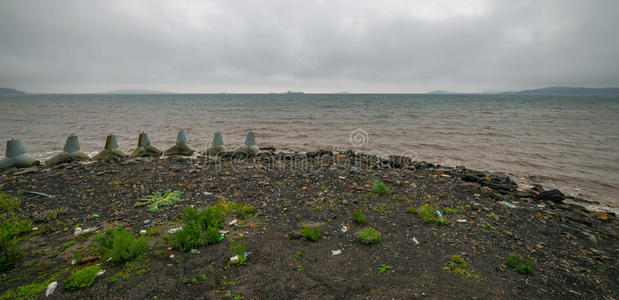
(571, 248)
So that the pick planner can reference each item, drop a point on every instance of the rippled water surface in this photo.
(571, 142)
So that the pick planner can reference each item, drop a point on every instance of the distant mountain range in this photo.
(137, 91)
(567, 90)
(9, 91)
(554, 90)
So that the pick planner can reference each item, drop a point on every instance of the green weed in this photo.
(68, 244)
(368, 235)
(358, 218)
(82, 278)
(311, 233)
(238, 248)
(379, 188)
(157, 200)
(121, 245)
(8, 202)
(200, 227)
(515, 262)
(458, 265)
(384, 269)
(428, 214)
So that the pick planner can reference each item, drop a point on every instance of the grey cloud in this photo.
(320, 46)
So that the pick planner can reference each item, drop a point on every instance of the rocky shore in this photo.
(484, 216)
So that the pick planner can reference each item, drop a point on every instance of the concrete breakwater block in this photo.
(181, 147)
(217, 146)
(145, 148)
(250, 145)
(16, 156)
(111, 150)
(71, 152)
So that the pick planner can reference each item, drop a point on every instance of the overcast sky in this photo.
(314, 46)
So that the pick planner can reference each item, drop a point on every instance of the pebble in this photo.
(51, 288)
(336, 252)
(233, 223)
(146, 222)
(344, 228)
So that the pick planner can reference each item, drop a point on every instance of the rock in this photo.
(181, 147)
(486, 190)
(51, 288)
(293, 235)
(551, 195)
(604, 216)
(319, 153)
(146, 222)
(399, 161)
(16, 156)
(70, 153)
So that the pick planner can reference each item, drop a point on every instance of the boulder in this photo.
(551, 195)
(70, 153)
(145, 148)
(16, 156)
(181, 147)
(111, 150)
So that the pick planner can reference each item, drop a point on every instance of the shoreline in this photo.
(571, 248)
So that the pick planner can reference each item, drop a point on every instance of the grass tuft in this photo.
(368, 235)
(82, 278)
(458, 265)
(358, 218)
(311, 233)
(121, 245)
(8, 202)
(428, 214)
(379, 188)
(157, 200)
(515, 262)
(200, 227)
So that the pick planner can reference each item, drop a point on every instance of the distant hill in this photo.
(440, 92)
(9, 91)
(137, 91)
(567, 90)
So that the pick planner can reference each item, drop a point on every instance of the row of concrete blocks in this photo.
(16, 155)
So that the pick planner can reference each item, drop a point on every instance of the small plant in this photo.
(236, 209)
(412, 210)
(358, 218)
(401, 198)
(514, 262)
(8, 202)
(298, 217)
(384, 269)
(379, 188)
(311, 233)
(157, 200)
(323, 188)
(381, 208)
(68, 244)
(121, 245)
(186, 280)
(451, 210)
(368, 235)
(200, 227)
(10, 253)
(238, 248)
(299, 268)
(458, 265)
(298, 255)
(82, 278)
(489, 227)
(429, 215)
(492, 215)
(201, 276)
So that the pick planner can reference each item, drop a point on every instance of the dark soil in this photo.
(573, 251)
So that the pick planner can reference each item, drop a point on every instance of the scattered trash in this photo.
(353, 169)
(445, 175)
(100, 272)
(461, 221)
(439, 215)
(234, 223)
(173, 230)
(416, 241)
(344, 228)
(342, 177)
(336, 252)
(38, 194)
(95, 216)
(80, 231)
(234, 259)
(510, 205)
(35, 228)
(88, 260)
(246, 253)
(171, 256)
(73, 262)
(143, 231)
(109, 259)
(221, 238)
(195, 251)
(208, 194)
(541, 206)
(223, 231)
(51, 288)
(146, 222)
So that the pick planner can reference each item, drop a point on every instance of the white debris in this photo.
(336, 252)
(35, 228)
(80, 231)
(234, 259)
(142, 231)
(208, 194)
(461, 221)
(171, 256)
(234, 223)
(510, 205)
(109, 259)
(416, 241)
(100, 272)
(445, 175)
(173, 230)
(51, 288)
(342, 177)
(344, 228)
(223, 231)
